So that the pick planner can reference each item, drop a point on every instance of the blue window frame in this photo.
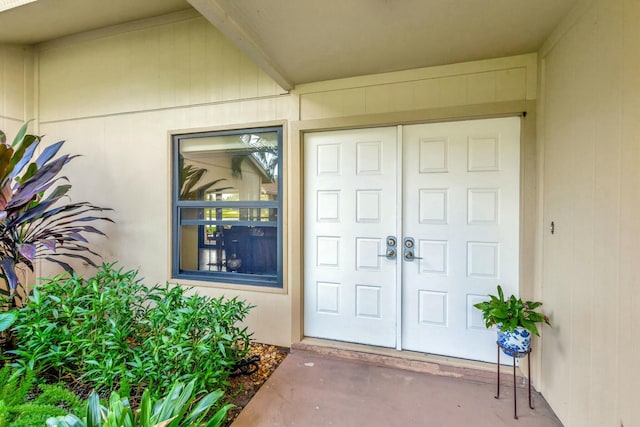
(227, 206)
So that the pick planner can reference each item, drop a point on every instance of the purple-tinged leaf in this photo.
(35, 223)
(89, 218)
(6, 153)
(64, 265)
(34, 213)
(8, 266)
(48, 153)
(40, 210)
(50, 170)
(74, 247)
(78, 237)
(76, 256)
(48, 243)
(23, 154)
(5, 196)
(26, 158)
(28, 250)
(69, 219)
(26, 193)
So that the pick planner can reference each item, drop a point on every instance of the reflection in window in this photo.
(227, 224)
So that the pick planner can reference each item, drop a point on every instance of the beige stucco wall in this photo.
(470, 83)
(590, 139)
(16, 87)
(116, 94)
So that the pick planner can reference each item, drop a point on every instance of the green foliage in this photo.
(112, 328)
(15, 385)
(511, 313)
(59, 395)
(32, 414)
(7, 319)
(35, 223)
(179, 408)
(5, 416)
(15, 411)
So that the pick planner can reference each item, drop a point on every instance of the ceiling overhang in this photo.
(297, 42)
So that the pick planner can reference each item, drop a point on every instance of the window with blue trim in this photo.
(227, 204)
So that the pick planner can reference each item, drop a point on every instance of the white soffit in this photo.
(306, 41)
(27, 22)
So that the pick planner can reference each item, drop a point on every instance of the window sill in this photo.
(184, 281)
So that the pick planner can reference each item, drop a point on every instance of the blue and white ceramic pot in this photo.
(518, 340)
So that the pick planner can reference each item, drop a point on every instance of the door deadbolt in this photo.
(407, 252)
(390, 252)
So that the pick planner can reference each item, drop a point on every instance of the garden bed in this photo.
(127, 342)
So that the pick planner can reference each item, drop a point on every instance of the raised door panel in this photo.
(461, 205)
(350, 208)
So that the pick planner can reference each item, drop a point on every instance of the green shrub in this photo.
(111, 327)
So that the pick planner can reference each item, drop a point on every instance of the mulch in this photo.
(244, 387)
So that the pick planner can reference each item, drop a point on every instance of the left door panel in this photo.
(350, 205)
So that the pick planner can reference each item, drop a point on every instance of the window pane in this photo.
(236, 167)
(236, 249)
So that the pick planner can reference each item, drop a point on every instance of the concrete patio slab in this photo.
(313, 389)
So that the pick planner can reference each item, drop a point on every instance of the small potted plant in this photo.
(516, 321)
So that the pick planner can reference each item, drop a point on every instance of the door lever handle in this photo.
(391, 254)
(408, 255)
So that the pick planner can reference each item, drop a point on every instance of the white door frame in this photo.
(530, 154)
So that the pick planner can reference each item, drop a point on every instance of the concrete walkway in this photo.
(310, 389)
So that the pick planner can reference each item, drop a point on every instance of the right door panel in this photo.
(461, 207)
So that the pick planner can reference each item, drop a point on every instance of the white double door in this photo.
(448, 195)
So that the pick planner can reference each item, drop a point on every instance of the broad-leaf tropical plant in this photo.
(179, 408)
(512, 312)
(35, 220)
(7, 319)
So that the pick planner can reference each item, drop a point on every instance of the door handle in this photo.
(409, 245)
(409, 256)
(391, 254)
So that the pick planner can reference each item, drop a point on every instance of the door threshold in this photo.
(470, 370)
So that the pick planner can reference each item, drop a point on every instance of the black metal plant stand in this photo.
(520, 354)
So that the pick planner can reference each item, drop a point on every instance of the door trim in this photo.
(400, 233)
